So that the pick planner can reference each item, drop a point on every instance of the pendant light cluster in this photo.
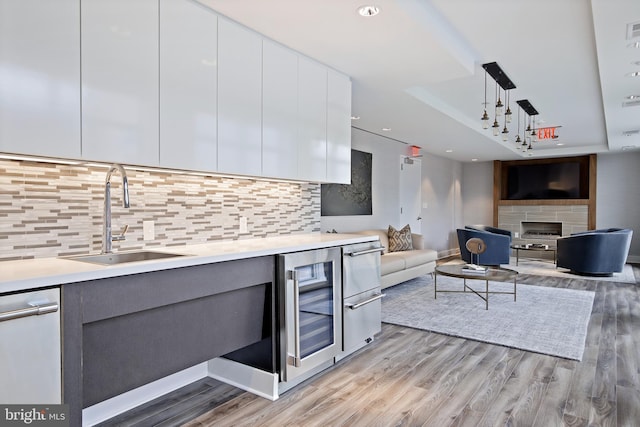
(504, 84)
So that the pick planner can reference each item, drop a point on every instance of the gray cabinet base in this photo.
(123, 332)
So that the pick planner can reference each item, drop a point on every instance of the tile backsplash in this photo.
(49, 210)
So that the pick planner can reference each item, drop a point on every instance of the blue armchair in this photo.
(490, 229)
(595, 252)
(498, 246)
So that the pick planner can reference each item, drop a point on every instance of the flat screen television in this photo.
(553, 180)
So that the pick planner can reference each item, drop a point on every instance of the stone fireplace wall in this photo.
(574, 218)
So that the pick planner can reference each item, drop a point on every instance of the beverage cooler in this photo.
(310, 308)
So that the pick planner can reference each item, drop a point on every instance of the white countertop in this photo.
(42, 272)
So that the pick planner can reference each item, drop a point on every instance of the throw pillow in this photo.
(400, 240)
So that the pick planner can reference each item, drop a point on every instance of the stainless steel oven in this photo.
(310, 299)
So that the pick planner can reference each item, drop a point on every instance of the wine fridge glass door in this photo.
(311, 287)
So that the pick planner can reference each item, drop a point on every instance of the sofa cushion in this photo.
(400, 240)
(419, 257)
(392, 262)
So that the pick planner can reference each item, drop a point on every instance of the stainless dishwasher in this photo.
(361, 311)
(30, 359)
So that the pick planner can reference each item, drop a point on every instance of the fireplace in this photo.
(542, 223)
(540, 230)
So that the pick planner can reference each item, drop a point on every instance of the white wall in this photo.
(618, 195)
(441, 192)
(441, 182)
(385, 181)
(477, 193)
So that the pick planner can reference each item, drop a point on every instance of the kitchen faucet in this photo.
(107, 238)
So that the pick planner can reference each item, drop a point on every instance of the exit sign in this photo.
(547, 133)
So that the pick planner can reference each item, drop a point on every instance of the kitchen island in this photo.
(130, 324)
(22, 275)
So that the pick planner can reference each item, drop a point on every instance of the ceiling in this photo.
(416, 67)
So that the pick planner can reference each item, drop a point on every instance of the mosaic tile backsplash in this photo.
(49, 210)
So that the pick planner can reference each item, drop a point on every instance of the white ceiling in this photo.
(416, 67)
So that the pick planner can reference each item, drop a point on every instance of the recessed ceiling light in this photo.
(386, 129)
(559, 144)
(449, 151)
(355, 117)
(474, 160)
(628, 147)
(368, 11)
(632, 97)
(634, 74)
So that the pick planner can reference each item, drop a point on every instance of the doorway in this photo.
(410, 193)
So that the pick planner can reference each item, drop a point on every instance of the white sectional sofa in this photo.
(397, 267)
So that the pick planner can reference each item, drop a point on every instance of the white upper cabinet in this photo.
(279, 111)
(338, 128)
(239, 99)
(312, 120)
(120, 81)
(188, 85)
(39, 77)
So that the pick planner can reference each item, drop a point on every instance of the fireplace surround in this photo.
(542, 221)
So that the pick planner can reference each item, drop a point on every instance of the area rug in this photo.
(547, 268)
(545, 320)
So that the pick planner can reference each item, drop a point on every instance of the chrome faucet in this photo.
(107, 238)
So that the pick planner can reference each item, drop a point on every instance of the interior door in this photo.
(410, 193)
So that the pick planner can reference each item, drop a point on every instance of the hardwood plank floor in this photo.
(408, 377)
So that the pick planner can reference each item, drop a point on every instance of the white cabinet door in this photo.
(188, 84)
(279, 111)
(120, 81)
(312, 120)
(338, 128)
(30, 354)
(239, 99)
(40, 77)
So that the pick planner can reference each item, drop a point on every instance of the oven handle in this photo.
(365, 302)
(32, 310)
(295, 357)
(365, 252)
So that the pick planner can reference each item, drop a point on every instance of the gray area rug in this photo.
(547, 268)
(543, 320)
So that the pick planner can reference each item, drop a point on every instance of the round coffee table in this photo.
(497, 274)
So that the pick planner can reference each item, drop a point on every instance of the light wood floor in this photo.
(408, 377)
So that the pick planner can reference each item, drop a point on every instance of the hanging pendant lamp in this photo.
(485, 116)
(507, 114)
(518, 140)
(499, 104)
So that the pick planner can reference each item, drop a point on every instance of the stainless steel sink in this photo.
(123, 257)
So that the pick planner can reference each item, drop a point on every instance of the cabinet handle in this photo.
(294, 358)
(368, 251)
(365, 302)
(32, 310)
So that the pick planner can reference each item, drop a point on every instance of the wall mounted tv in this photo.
(549, 179)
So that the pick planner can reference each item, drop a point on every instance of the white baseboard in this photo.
(253, 380)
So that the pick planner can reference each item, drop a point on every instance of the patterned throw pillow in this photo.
(400, 240)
